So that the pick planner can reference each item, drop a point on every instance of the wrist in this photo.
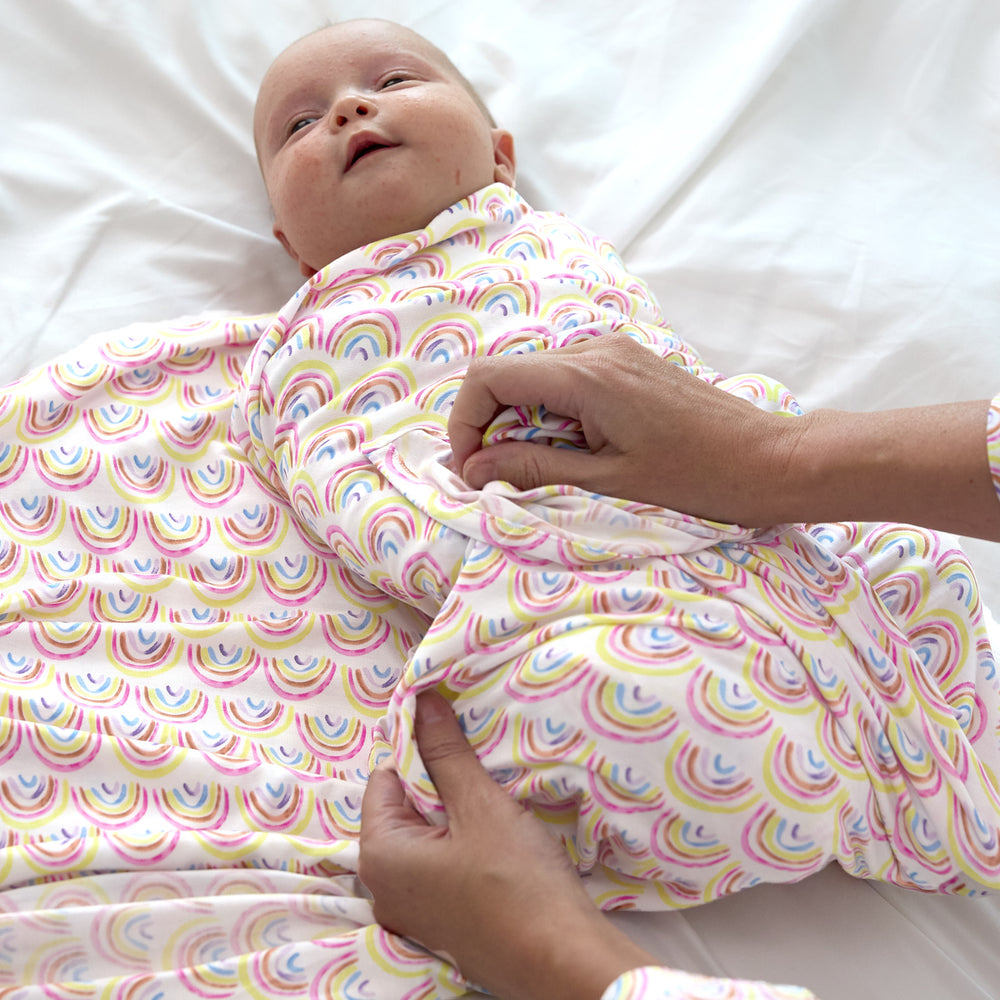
(924, 465)
(572, 957)
(829, 465)
(778, 469)
(811, 458)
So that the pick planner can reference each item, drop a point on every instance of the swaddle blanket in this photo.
(214, 618)
(696, 706)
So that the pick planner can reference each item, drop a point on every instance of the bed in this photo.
(810, 187)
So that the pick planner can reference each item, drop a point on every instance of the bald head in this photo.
(366, 130)
(431, 51)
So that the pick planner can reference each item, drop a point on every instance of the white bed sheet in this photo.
(812, 188)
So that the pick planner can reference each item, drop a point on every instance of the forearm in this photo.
(926, 465)
(660, 435)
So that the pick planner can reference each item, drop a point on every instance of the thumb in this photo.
(527, 466)
(460, 779)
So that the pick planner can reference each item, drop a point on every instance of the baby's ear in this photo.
(305, 269)
(504, 160)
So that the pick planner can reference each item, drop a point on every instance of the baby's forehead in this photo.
(316, 59)
(332, 46)
(324, 53)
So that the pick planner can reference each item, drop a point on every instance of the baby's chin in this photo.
(404, 219)
(373, 235)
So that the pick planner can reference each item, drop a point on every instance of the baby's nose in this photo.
(352, 107)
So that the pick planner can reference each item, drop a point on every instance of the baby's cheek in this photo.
(296, 185)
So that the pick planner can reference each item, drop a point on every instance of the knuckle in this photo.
(536, 469)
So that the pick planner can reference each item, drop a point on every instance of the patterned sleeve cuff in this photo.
(993, 442)
(654, 983)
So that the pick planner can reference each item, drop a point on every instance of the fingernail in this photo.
(479, 472)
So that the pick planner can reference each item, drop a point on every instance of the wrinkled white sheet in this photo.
(811, 187)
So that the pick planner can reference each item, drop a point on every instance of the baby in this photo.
(364, 131)
(695, 706)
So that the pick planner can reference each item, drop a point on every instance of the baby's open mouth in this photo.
(365, 147)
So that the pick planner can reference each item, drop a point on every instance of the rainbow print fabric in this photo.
(189, 692)
(652, 983)
(697, 707)
(232, 553)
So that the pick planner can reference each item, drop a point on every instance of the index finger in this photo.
(493, 383)
(473, 411)
(384, 799)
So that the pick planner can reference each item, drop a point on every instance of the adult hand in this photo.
(660, 435)
(655, 432)
(492, 890)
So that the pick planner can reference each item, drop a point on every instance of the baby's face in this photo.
(364, 132)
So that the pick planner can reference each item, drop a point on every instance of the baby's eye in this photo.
(392, 81)
(299, 123)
